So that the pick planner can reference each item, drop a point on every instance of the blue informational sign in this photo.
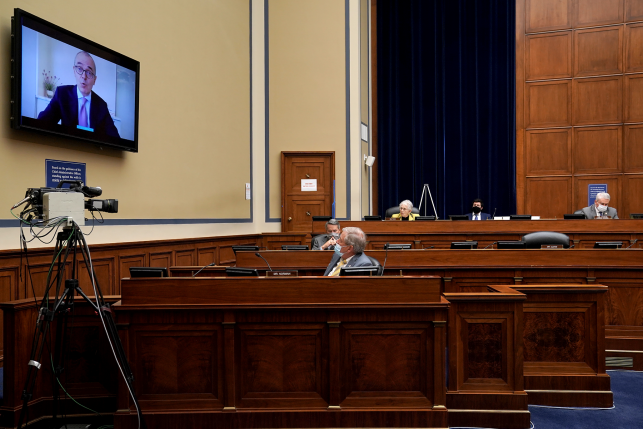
(594, 189)
(55, 171)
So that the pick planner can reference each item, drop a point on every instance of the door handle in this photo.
(307, 213)
(289, 219)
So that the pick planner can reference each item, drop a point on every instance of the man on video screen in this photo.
(78, 105)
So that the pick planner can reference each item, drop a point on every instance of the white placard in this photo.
(309, 185)
(247, 191)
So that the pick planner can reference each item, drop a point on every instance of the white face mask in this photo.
(601, 208)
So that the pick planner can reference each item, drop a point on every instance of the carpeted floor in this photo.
(627, 412)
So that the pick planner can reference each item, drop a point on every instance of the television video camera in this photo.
(45, 204)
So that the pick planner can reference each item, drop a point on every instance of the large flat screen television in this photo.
(67, 85)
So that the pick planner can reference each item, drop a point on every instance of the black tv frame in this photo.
(359, 271)
(56, 32)
(244, 248)
(371, 218)
(424, 217)
(636, 215)
(144, 272)
(511, 244)
(574, 216)
(241, 272)
(608, 244)
(294, 247)
(396, 246)
(520, 217)
(459, 217)
(464, 245)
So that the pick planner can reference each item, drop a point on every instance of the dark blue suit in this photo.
(483, 216)
(64, 107)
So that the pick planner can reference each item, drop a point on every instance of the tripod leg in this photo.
(40, 335)
(66, 304)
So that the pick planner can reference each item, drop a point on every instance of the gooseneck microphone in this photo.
(385, 258)
(209, 265)
(495, 242)
(633, 243)
(493, 216)
(264, 259)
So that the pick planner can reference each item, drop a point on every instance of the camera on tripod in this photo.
(49, 203)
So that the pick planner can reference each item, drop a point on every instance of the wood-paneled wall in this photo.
(579, 104)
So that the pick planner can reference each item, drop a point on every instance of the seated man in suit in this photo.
(405, 211)
(329, 240)
(77, 104)
(476, 211)
(352, 242)
(600, 208)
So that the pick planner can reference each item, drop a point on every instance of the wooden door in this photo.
(299, 206)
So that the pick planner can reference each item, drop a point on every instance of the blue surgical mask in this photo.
(337, 249)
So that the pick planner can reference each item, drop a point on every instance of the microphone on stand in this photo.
(209, 265)
(385, 257)
(494, 213)
(633, 243)
(495, 242)
(264, 259)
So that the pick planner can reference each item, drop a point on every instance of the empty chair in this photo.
(537, 239)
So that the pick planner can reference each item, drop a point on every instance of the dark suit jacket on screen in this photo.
(64, 107)
(590, 212)
(319, 241)
(358, 260)
(483, 216)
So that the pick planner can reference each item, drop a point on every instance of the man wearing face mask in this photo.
(351, 244)
(329, 240)
(476, 211)
(601, 208)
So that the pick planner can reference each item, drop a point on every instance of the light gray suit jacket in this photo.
(590, 212)
(358, 260)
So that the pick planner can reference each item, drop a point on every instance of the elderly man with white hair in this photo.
(601, 208)
(405, 211)
(351, 242)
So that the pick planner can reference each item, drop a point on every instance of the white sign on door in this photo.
(309, 185)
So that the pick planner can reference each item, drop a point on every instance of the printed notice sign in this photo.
(309, 185)
(55, 171)
(592, 190)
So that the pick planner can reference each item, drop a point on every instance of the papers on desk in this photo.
(507, 218)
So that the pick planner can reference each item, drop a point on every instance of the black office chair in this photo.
(393, 210)
(376, 263)
(537, 239)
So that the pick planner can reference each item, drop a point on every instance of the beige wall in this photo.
(195, 151)
(364, 98)
(307, 80)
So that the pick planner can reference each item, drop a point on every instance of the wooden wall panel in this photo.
(607, 95)
(547, 15)
(613, 188)
(549, 151)
(633, 193)
(548, 56)
(597, 12)
(633, 148)
(548, 104)
(598, 100)
(550, 197)
(598, 149)
(104, 270)
(207, 255)
(598, 51)
(633, 51)
(125, 262)
(185, 258)
(633, 10)
(633, 89)
(163, 259)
